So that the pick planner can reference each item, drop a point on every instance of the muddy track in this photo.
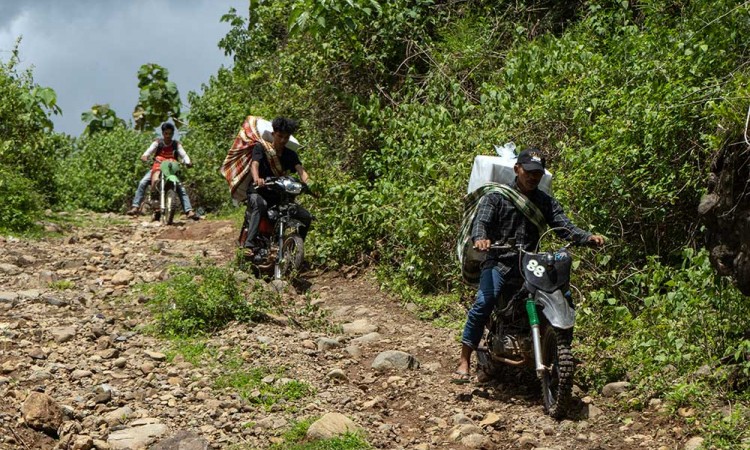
(70, 328)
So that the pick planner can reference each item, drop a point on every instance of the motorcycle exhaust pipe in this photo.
(535, 337)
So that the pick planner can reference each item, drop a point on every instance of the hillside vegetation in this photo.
(631, 99)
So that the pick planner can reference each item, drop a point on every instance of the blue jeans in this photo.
(141, 191)
(491, 283)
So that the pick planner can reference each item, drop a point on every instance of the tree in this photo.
(100, 118)
(159, 98)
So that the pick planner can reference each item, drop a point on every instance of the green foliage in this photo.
(294, 439)
(103, 172)
(249, 383)
(62, 285)
(21, 206)
(201, 299)
(29, 151)
(100, 118)
(158, 100)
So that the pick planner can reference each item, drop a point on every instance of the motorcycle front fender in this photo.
(556, 309)
(173, 179)
(294, 223)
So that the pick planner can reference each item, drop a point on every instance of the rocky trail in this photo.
(78, 371)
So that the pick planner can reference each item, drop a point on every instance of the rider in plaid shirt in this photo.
(499, 219)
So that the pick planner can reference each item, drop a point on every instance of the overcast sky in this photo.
(89, 51)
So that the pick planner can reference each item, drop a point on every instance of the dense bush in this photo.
(201, 299)
(103, 171)
(21, 205)
(29, 151)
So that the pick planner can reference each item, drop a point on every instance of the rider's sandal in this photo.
(248, 253)
(460, 377)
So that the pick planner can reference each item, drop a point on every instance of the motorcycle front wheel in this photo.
(293, 252)
(557, 382)
(171, 201)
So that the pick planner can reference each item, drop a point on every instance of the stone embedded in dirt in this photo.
(122, 277)
(9, 269)
(183, 440)
(694, 443)
(30, 294)
(80, 373)
(591, 411)
(8, 297)
(394, 359)
(353, 351)
(25, 260)
(37, 353)
(331, 425)
(140, 434)
(377, 401)
(82, 443)
(327, 343)
(102, 394)
(614, 389)
(527, 441)
(479, 441)
(120, 363)
(156, 356)
(147, 367)
(490, 420)
(460, 431)
(369, 338)
(337, 374)
(360, 326)
(62, 335)
(461, 419)
(41, 412)
(118, 416)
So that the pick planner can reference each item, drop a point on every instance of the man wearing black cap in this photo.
(498, 218)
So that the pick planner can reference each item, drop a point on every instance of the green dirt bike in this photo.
(164, 201)
(534, 329)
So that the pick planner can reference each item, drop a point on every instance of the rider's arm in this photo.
(260, 182)
(302, 173)
(182, 154)
(149, 151)
(569, 231)
(483, 220)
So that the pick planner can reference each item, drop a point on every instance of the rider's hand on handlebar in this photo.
(189, 165)
(482, 245)
(260, 182)
(596, 240)
(144, 158)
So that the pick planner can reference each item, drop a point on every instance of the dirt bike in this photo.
(534, 328)
(166, 190)
(280, 247)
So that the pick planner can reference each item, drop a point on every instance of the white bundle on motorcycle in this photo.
(491, 169)
(499, 169)
(265, 128)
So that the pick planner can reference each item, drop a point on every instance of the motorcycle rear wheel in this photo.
(293, 252)
(170, 207)
(557, 382)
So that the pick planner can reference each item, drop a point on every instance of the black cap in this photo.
(531, 159)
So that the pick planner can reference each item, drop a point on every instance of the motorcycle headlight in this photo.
(291, 186)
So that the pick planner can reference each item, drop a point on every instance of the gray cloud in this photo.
(89, 51)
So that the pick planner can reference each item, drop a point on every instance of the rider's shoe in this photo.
(133, 211)
(193, 215)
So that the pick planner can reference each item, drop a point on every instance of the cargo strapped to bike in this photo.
(469, 260)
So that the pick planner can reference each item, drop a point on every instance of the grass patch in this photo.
(194, 351)
(62, 285)
(201, 299)
(294, 439)
(260, 385)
